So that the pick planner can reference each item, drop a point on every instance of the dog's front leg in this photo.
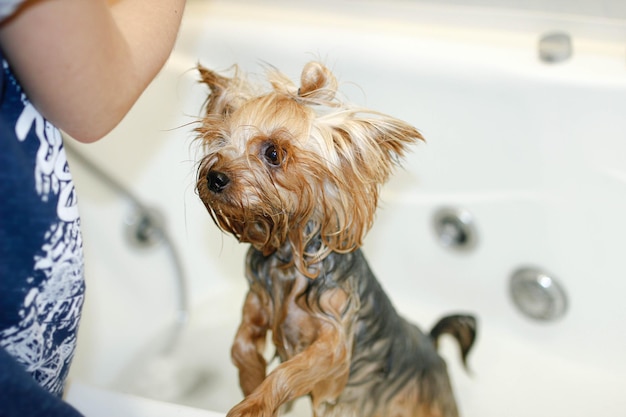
(249, 343)
(321, 369)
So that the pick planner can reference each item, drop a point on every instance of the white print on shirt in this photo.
(50, 311)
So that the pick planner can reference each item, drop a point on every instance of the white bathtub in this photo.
(535, 152)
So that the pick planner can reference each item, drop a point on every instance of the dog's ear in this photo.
(317, 83)
(369, 143)
(226, 93)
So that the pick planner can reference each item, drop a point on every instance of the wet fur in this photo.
(296, 173)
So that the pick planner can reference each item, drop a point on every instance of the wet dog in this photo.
(296, 173)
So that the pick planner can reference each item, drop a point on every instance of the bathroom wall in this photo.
(611, 9)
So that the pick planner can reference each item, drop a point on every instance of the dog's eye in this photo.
(272, 155)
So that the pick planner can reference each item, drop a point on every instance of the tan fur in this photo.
(297, 173)
(333, 163)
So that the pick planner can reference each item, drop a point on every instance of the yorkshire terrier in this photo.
(296, 173)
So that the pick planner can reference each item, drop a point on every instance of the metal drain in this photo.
(537, 294)
(455, 229)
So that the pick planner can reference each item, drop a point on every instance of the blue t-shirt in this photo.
(41, 259)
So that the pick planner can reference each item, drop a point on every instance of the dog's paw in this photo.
(248, 408)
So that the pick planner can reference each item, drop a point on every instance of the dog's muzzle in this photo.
(217, 181)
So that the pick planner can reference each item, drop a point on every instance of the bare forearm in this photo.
(84, 63)
(150, 28)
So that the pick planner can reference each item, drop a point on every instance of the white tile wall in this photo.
(613, 9)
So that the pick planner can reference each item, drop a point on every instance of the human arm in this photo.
(84, 63)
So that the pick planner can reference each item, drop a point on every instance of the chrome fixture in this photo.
(555, 47)
(145, 227)
(537, 294)
(455, 228)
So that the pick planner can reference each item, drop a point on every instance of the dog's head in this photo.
(294, 165)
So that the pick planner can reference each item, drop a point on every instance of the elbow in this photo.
(90, 128)
(86, 135)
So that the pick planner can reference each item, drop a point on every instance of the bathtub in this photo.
(534, 152)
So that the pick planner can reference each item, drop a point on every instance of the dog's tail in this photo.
(460, 326)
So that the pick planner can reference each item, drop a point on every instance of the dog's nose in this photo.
(217, 181)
